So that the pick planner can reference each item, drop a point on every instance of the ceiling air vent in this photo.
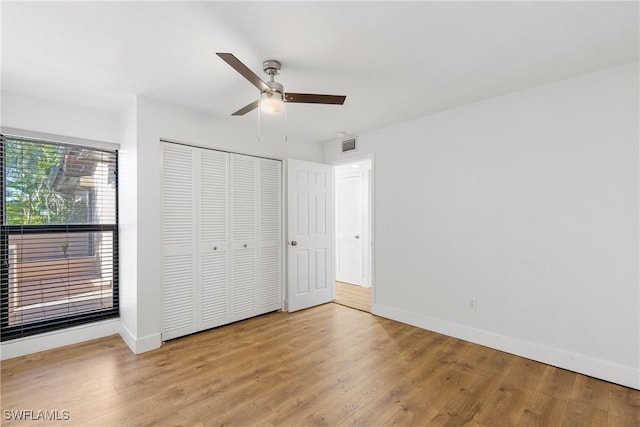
(349, 145)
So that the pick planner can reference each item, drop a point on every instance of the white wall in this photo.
(528, 202)
(128, 223)
(53, 117)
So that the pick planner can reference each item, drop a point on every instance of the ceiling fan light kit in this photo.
(271, 102)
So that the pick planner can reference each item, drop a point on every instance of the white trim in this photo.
(148, 343)
(285, 236)
(59, 338)
(627, 376)
(128, 338)
(216, 148)
(140, 345)
(47, 137)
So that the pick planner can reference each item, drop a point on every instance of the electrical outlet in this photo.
(473, 303)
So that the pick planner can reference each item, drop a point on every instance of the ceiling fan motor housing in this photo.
(271, 67)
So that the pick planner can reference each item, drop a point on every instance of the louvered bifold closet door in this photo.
(244, 224)
(221, 238)
(214, 238)
(178, 240)
(270, 231)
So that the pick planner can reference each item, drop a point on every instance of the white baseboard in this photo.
(60, 338)
(140, 345)
(620, 374)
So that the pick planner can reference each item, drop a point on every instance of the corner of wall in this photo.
(139, 345)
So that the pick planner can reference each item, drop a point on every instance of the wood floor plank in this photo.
(524, 374)
(348, 365)
(385, 404)
(542, 411)
(618, 421)
(557, 383)
(579, 414)
(467, 402)
(481, 360)
(436, 393)
(329, 365)
(335, 412)
(504, 407)
(624, 403)
(591, 391)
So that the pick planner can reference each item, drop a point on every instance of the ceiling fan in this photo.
(272, 94)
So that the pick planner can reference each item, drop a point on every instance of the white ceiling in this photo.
(393, 60)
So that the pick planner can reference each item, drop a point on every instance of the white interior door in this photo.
(310, 232)
(349, 229)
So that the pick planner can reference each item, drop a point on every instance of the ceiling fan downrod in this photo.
(272, 68)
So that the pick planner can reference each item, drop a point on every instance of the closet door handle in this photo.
(294, 243)
(356, 236)
(245, 245)
(215, 248)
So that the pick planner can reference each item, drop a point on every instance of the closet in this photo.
(221, 238)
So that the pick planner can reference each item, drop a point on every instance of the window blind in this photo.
(59, 235)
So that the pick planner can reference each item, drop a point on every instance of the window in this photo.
(58, 235)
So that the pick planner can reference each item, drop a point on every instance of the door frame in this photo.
(372, 252)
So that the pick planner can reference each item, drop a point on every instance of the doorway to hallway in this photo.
(353, 234)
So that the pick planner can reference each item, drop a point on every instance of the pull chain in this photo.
(285, 121)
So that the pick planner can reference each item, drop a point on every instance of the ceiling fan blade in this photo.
(235, 63)
(244, 110)
(311, 98)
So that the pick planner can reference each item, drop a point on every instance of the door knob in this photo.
(245, 245)
(356, 236)
(294, 243)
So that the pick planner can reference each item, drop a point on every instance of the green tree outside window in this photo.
(31, 197)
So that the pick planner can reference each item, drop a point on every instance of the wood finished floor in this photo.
(353, 296)
(325, 366)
